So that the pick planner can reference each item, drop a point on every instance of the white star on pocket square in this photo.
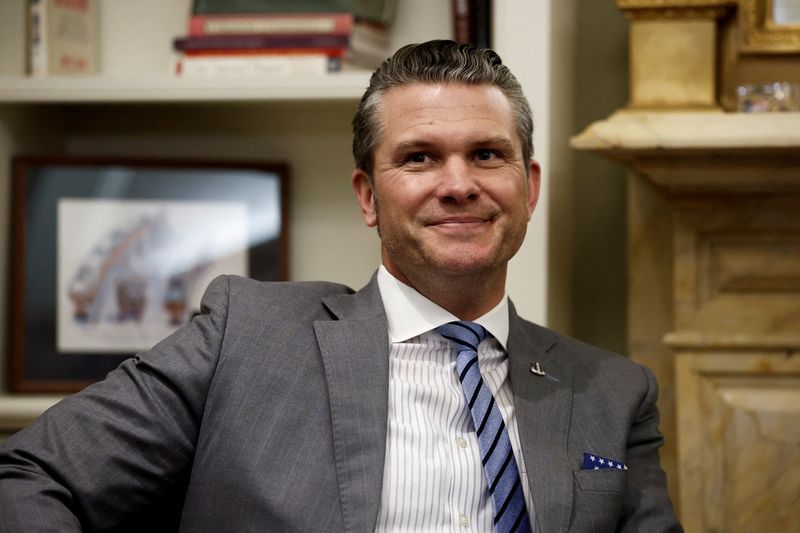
(593, 461)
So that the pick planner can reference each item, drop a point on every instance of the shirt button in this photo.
(462, 442)
(463, 520)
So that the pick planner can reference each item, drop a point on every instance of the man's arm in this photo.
(646, 506)
(122, 447)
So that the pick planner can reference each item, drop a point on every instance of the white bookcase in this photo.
(137, 107)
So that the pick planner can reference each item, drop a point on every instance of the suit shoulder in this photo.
(251, 296)
(295, 289)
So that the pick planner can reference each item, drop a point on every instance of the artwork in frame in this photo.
(109, 256)
(770, 26)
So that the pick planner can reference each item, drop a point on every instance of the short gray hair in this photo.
(438, 61)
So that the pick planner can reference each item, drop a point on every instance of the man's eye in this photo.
(484, 154)
(419, 157)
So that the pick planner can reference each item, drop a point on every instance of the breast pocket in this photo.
(598, 500)
(605, 480)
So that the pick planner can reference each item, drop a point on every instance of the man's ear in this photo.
(362, 187)
(534, 186)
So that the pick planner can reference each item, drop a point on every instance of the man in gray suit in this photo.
(310, 407)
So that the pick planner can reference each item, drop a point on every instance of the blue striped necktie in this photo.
(502, 474)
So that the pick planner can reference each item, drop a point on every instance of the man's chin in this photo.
(467, 265)
(451, 262)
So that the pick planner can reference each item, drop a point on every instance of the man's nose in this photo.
(458, 182)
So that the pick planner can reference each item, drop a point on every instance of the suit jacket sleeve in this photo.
(646, 505)
(103, 456)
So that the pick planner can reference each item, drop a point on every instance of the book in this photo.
(472, 22)
(369, 46)
(376, 10)
(256, 65)
(330, 52)
(368, 42)
(261, 40)
(370, 32)
(480, 19)
(62, 37)
(461, 21)
(274, 23)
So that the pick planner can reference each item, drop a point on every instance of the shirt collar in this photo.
(411, 314)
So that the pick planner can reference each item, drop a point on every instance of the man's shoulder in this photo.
(240, 285)
(251, 296)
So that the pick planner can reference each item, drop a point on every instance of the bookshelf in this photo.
(344, 86)
(136, 107)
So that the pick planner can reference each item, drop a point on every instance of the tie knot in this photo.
(464, 334)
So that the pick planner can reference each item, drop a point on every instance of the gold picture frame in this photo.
(761, 34)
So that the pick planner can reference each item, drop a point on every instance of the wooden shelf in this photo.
(99, 89)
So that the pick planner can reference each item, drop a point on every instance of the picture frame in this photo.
(110, 255)
(770, 26)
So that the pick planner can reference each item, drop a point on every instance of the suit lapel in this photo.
(543, 406)
(355, 352)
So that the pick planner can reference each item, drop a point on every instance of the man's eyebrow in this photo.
(499, 141)
(412, 144)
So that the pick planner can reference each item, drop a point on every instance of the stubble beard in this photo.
(427, 269)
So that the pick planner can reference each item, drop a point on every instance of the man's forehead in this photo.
(429, 106)
(427, 90)
(442, 99)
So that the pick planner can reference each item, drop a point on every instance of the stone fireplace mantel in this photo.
(714, 303)
(628, 134)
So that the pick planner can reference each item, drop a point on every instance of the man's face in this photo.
(451, 194)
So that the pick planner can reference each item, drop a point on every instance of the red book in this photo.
(461, 21)
(223, 42)
(329, 52)
(272, 23)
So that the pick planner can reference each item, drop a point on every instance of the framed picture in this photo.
(109, 256)
(770, 26)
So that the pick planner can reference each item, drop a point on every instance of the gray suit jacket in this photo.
(268, 413)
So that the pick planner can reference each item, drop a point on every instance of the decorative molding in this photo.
(749, 262)
(690, 13)
(738, 419)
(660, 4)
(629, 132)
(675, 9)
(736, 266)
(700, 341)
(761, 35)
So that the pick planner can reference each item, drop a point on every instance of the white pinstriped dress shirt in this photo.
(433, 479)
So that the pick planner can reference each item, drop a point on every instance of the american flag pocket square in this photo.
(595, 462)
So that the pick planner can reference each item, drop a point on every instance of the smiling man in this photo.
(413, 404)
(459, 191)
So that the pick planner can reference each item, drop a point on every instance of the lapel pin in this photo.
(536, 369)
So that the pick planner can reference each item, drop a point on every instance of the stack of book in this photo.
(257, 38)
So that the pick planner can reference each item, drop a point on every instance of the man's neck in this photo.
(465, 296)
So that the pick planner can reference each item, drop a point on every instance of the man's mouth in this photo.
(460, 218)
(460, 223)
